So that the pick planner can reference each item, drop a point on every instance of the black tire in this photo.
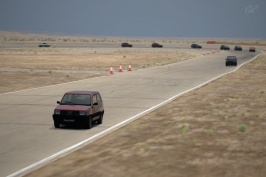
(100, 120)
(88, 123)
(56, 124)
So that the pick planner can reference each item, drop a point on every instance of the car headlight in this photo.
(56, 111)
(82, 113)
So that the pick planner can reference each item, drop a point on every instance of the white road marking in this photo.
(111, 129)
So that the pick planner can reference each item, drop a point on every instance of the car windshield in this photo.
(231, 57)
(76, 99)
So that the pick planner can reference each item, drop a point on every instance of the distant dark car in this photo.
(126, 45)
(252, 49)
(81, 108)
(238, 48)
(224, 47)
(44, 45)
(156, 45)
(196, 46)
(231, 60)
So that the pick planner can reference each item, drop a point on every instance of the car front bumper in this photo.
(73, 119)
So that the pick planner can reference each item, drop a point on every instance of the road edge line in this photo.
(85, 79)
(70, 149)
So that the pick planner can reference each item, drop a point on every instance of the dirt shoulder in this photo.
(25, 68)
(217, 130)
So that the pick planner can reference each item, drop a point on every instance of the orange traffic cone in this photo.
(129, 68)
(111, 70)
(120, 68)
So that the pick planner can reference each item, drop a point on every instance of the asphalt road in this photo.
(27, 134)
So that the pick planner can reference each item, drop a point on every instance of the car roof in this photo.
(231, 57)
(81, 92)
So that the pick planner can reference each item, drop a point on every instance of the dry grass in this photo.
(35, 67)
(198, 134)
(87, 59)
(195, 135)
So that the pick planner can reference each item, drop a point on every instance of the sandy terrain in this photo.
(35, 67)
(217, 130)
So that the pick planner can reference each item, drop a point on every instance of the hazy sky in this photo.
(137, 18)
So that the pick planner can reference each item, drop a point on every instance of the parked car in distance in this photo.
(44, 45)
(156, 45)
(231, 60)
(82, 108)
(224, 47)
(125, 44)
(252, 49)
(238, 48)
(196, 46)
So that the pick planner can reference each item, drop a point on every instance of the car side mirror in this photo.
(95, 103)
(58, 102)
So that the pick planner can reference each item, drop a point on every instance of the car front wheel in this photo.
(88, 123)
(56, 124)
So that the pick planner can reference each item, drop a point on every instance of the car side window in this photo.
(99, 99)
(94, 98)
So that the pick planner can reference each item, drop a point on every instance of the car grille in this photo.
(69, 113)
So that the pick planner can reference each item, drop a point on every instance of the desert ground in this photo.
(217, 130)
(23, 64)
(35, 67)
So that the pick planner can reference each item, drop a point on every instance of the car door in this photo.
(95, 107)
(100, 102)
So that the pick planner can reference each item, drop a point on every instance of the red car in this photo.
(81, 108)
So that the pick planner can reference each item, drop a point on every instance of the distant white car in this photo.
(252, 49)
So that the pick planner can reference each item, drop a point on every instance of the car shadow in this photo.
(74, 127)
